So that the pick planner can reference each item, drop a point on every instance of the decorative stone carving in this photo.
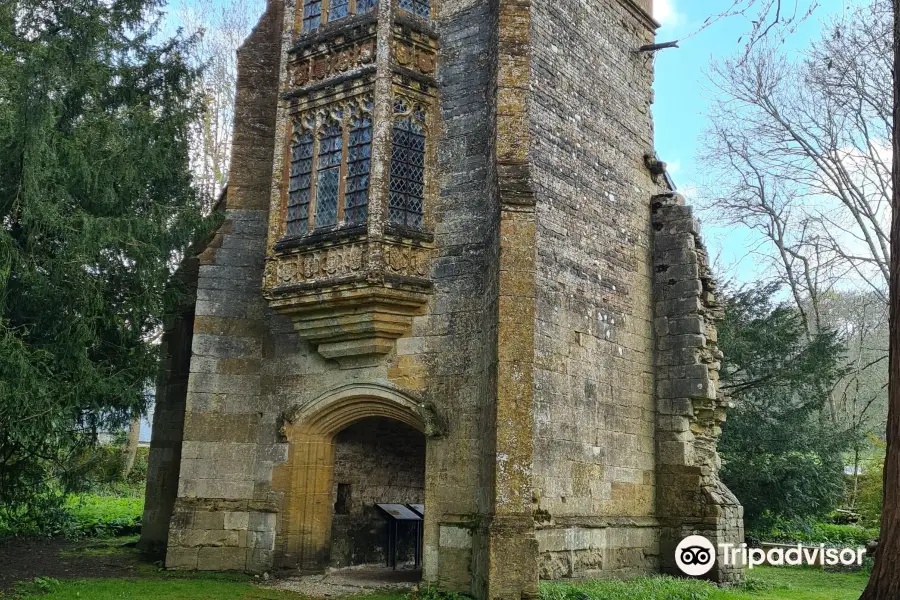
(414, 57)
(329, 64)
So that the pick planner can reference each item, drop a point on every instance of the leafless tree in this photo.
(801, 156)
(220, 28)
(766, 19)
(802, 151)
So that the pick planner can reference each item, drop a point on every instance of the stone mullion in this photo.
(342, 176)
(286, 178)
(379, 165)
(313, 181)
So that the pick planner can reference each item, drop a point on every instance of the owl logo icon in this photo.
(695, 555)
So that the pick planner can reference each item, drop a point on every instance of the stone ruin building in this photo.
(450, 273)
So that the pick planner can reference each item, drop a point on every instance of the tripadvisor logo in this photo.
(695, 555)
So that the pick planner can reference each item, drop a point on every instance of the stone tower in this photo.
(449, 273)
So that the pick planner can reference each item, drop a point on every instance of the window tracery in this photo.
(358, 165)
(330, 158)
(328, 172)
(300, 180)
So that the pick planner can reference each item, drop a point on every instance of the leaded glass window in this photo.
(328, 172)
(407, 182)
(299, 186)
(418, 7)
(330, 162)
(364, 6)
(312, 14)
(338, 9)
(318, 12)
(358, 162)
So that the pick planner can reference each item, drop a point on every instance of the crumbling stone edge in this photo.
(691, 499)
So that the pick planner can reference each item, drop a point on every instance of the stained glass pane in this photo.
(299, 184)
(358, 161)
(312, 14)
(407, 181)
(338, 9)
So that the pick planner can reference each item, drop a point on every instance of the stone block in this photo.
(182, 558)
(222, 559)
(236, 520)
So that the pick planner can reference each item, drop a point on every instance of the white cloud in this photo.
(667, 13)
(673, 166)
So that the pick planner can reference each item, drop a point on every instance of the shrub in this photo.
(85, 515)
(814, 533)
(104, 516)
(869, 500)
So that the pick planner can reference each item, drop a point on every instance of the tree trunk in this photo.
(131, 445)
(884, 584)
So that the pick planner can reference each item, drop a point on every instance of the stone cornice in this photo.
(641, 13)
(349, 28)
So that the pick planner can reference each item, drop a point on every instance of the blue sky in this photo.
(683, 93)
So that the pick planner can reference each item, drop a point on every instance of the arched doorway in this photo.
(348, 449)
(377, 460)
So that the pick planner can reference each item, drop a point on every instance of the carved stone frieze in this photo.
(408, 261)
(415, 50)
(333, 262)
(415, 57)
(331, 62)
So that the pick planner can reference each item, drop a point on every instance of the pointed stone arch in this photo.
(306, 479)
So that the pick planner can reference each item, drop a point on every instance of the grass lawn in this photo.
(150, 589)
(765, 583)
(112, 569)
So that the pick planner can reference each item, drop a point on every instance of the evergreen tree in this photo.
(96, 207)
(782, 457)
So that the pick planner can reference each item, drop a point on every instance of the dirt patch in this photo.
(23, 559)
(349, 581)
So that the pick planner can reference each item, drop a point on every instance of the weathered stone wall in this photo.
(594, 406)
(456, 340)
(691, 500)
(224, 516)
(376, 460)
(164, 460)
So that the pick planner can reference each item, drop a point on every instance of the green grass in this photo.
(150, 583)
(765, 583)
(151, 589)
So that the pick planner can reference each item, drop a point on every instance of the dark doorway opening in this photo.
(376, 460)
